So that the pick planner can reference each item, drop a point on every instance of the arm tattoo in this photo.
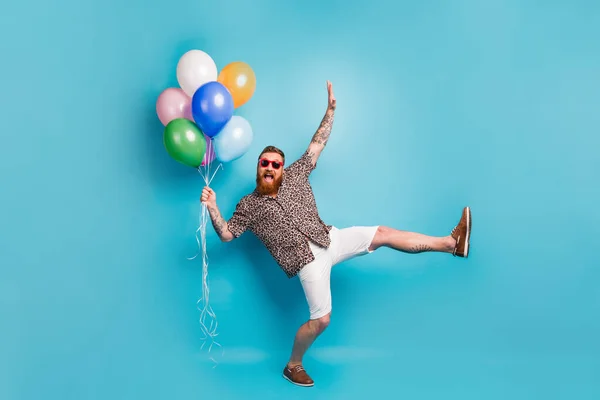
(322, 135)
(217, 220)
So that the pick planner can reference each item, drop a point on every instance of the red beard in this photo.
(268, 188)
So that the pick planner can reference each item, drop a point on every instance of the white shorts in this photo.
(346, 243)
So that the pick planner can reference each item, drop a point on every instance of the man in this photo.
(282, 213)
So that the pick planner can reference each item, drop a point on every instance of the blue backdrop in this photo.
(492, 104)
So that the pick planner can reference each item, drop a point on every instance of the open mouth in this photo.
(268, 178)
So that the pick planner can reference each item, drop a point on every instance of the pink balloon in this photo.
(173, 103)
(210, 151)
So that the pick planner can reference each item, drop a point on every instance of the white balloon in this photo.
(194, 69)
(233, 140)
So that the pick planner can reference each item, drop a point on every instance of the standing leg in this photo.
(315, 280)
(305, 337)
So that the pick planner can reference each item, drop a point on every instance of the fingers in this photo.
(332, 101)
(206, 194)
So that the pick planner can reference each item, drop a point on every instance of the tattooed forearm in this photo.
(322, 135)
(218, 223)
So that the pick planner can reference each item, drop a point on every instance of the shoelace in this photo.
(297, 368)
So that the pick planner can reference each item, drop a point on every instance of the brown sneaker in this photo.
(297, 375)
(462, 234)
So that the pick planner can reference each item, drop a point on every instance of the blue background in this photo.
(492, 104)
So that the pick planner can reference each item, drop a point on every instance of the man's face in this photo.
(269, 173)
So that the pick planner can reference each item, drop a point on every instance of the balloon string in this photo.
(208, 328)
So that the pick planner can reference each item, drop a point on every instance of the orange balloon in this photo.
(240, 80)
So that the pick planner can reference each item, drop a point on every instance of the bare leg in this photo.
(305, 337)
(411, 242)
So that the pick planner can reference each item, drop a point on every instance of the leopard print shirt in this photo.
(285, 223)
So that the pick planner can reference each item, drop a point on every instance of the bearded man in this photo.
(282, 213)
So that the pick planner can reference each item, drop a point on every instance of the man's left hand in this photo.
(332, 101)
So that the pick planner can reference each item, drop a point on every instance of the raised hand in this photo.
(332, 101)
(321, 136)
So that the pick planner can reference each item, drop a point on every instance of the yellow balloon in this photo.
(240, 80)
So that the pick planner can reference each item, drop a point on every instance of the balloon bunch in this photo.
(200, 128)
(198, 117)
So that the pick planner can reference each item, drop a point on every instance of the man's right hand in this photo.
(209, 197)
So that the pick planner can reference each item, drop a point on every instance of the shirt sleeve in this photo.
(302, 166)
(240, 221)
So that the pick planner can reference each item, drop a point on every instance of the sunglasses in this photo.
(265, 163)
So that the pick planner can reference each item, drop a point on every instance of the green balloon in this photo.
(185, 142)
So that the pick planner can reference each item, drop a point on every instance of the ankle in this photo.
(450, 243)
(292, 364)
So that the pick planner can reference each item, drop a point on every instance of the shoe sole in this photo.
(468, 232)
(296, 383)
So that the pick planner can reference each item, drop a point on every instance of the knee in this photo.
(382, 231)
(380, 238)
(322, 323)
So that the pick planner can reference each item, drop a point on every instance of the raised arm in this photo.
(320, 138)
(219, 224)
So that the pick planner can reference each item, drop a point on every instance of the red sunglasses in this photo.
(265, 163)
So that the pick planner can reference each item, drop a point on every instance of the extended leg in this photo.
(411, 242)
(456, 243)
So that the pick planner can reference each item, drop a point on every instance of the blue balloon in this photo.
(234, 140)
(212, 107)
